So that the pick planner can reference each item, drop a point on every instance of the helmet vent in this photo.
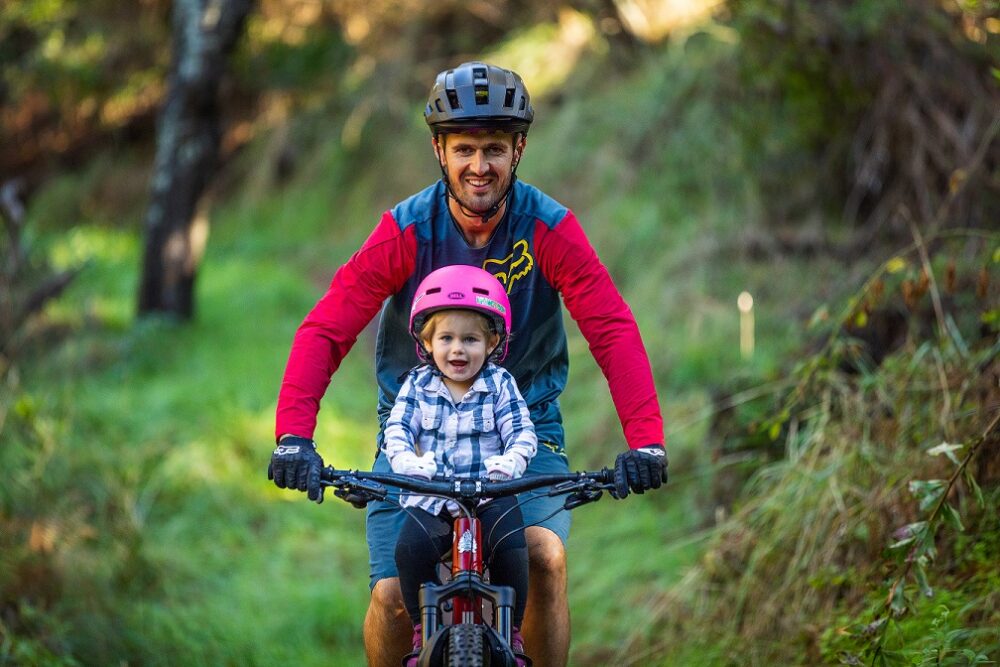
(453, 99)
(433, 290)
(508, 100)
(523, 102)
(480, 290)
(481, 85)
(437, 103)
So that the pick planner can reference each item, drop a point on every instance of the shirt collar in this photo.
(434, 382)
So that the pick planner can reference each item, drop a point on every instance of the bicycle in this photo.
(455, 631)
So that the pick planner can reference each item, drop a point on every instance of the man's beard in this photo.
(481, 205)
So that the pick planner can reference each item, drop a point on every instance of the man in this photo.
(478, 214)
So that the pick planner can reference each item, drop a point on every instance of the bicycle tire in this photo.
(467, 647)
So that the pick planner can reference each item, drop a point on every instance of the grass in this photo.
(796, 574)
(152, 439)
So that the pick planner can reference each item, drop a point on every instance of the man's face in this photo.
(479, 165)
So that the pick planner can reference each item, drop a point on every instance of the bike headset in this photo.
(461, 287)
(479, 96)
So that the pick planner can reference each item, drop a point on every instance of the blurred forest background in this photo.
(834, 486)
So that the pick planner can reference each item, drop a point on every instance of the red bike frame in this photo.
(467, 556)
(466, 591)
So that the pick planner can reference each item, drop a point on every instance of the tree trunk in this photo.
(187, 150)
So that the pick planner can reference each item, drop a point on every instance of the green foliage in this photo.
(70, 51)
(316, 59)
(865, 521)
(915, 549)
(833, 96)
(948, 627)
(136, 481)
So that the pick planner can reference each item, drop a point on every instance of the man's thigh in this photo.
(539, 509)
(384, 520)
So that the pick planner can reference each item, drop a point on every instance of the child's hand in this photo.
(408, 463)
(502, 467)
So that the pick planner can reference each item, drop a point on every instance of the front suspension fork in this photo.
(466, 589)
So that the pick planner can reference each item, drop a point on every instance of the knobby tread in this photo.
(466, 647)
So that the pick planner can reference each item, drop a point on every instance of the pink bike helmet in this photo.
(466, 288)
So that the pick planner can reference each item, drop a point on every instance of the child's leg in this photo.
(507, 557)
(423, 539)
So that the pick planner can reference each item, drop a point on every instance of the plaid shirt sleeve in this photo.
(513, 419)
(403, 424)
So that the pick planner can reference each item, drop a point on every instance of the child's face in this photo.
(460, 344)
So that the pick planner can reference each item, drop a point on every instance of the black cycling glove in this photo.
(295, 464)
(640, 469)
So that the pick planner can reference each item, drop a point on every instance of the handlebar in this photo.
(373, 484)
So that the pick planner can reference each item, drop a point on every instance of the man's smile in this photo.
(478, 182)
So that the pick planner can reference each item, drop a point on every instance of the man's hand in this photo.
(295, 464)
(502, 467)
(408, 463)
(640, 469)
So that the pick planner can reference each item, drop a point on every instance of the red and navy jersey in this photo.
(541, 255)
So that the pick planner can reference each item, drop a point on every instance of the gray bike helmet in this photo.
(476, 94)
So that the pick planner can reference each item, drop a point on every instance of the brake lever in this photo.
(581, 485)
(582, 497)
(358, 499)
(565, 487)
(359, 492)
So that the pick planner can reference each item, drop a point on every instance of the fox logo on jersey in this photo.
(513, 267)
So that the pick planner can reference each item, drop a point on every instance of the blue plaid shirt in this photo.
(492, 418)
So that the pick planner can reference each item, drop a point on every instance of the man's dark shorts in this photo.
(385, 518)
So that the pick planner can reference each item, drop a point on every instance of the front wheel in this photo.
(467, 647)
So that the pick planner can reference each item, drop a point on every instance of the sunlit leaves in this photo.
(946, 449)
(896, 264)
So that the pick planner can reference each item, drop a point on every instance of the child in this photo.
(462, 415)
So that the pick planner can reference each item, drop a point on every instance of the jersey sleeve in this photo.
(376, 271)
(570, 264)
